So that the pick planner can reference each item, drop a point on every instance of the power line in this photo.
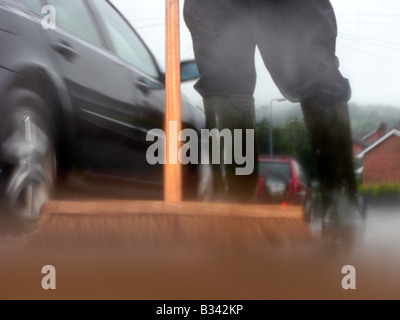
(370, 39)
(187, 50)
(371, 43)
(394, 23)
(147, 19)
(368, 14)
(145, 22)
(370, 53)
(150, 25)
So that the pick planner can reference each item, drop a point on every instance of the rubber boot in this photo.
(233, 113)
(331, 140)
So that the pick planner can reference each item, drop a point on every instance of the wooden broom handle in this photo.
(172, 171)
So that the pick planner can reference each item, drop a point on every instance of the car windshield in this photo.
(276, 168)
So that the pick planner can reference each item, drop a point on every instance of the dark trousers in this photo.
(296, 38)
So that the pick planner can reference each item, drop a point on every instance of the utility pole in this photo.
(271, 143)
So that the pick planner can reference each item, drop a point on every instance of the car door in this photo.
(139, 62)
(100, 87)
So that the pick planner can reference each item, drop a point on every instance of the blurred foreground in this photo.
(248, 266)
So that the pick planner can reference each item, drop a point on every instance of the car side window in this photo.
(74, 16)
(126, 43)
(33, 5)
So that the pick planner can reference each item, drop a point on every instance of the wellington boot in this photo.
(330, 134)
(233, 117)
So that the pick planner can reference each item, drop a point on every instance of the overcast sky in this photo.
(368, 46)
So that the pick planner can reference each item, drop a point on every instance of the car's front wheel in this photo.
(28, 159)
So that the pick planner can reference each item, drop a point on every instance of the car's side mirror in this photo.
(189, 71)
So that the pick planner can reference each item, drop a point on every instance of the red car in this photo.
(282, 180)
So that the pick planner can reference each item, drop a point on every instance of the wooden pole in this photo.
(173, 169)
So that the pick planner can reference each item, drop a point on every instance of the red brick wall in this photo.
(373, 138)
(382, 164)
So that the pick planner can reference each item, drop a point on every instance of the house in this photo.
(381, 160)
(377, 134)
(359, 146)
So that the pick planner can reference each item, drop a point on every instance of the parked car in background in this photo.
(282, 180)
(81, 97)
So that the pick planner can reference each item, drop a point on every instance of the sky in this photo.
(368, 47)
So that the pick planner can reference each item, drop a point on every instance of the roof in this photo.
(382, 127)
(394, 132)
(369, 134)
(361, 142)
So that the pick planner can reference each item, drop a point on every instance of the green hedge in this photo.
(378, 190)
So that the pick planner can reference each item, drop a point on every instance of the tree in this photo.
(292, 140)
(297, 144)
(263, 136)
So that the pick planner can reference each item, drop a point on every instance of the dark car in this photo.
(78, 98)
(282, 180)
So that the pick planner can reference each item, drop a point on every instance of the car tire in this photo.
(27, 156)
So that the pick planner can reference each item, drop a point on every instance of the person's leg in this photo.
(297, 40)
(233, 113)
(224, 49)
(224, 46)
(330, 135)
